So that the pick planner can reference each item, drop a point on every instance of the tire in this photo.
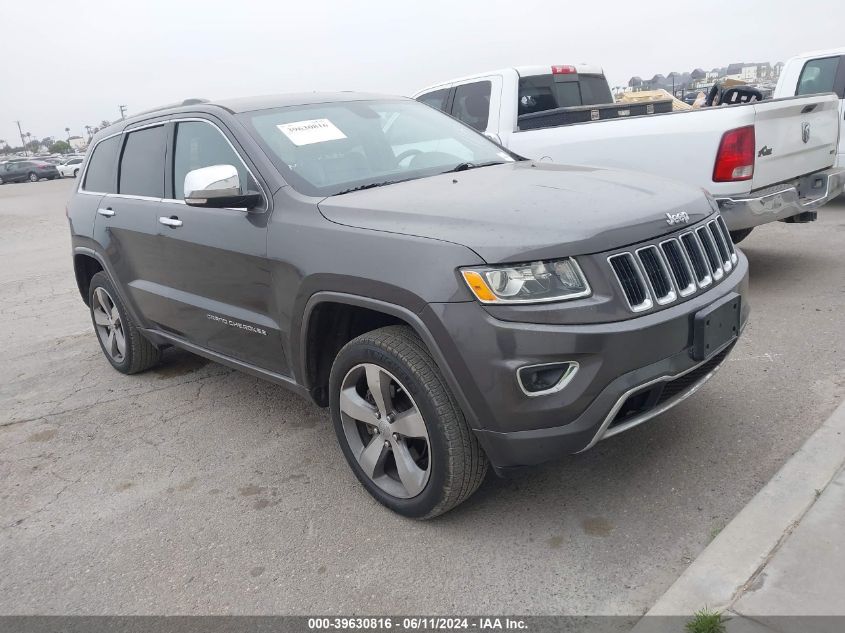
(32, 177)
(741, 234)
(451, 461)
(1, 180)
(75, 173)
(137, 353)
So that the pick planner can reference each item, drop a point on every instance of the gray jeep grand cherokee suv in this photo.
(452, 304)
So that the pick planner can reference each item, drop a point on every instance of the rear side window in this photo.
(199, 145)
(436, 99)
(472, 104)
(818, 75)
(539, 93)
(99, 176)
(142, 163)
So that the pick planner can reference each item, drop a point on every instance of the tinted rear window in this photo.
(100, 174)
(142, 163)
(547, 92)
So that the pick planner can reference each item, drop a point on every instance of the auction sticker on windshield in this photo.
(311, 131)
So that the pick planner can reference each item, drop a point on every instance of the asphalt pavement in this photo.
(194, 489)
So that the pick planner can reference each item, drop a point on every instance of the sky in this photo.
(77, 62)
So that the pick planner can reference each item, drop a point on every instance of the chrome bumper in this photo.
(804, 195)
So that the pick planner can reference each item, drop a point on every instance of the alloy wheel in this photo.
(385, 430)
(33, 178)
(109, 325)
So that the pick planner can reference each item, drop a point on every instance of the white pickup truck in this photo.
(810, 73)
(762, 161)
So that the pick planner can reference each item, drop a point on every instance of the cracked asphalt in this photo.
(194, 489)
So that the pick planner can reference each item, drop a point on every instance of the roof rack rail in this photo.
(194, 101)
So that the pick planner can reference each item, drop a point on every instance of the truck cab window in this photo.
(436, 99)
(472, 104)
(818, 75)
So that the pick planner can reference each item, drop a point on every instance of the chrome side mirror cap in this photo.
(217, 186)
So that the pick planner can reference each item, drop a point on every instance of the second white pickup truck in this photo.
(762, 161)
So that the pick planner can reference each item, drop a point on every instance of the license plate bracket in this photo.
(715, 326)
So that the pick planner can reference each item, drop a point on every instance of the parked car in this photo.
(71, 166)
(763, 161)
(812, 73)
(31, 170)
(450, 303)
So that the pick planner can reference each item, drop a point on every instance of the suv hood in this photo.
(525, 210)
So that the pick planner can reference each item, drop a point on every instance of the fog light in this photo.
(539, 380)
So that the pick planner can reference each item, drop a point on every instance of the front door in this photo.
(214, 275)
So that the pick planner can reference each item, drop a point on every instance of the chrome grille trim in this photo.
(632, 282)
(661, 275)
(711, 252)
(683, 263)
(679, 266)
(721, 245)
(693, 249)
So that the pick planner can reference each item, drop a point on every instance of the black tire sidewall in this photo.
(101, 280)
(30, 175)
(432, 495)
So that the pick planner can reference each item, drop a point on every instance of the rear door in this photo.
(794, 136)
(125, 223)
(477, 104)
(215, 285)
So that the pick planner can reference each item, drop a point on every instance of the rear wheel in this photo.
(75, 173)
(741, 234)
(33, 177)
(121, 341)
(399, 426)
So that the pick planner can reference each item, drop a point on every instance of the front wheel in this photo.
(399, 426)
(741, 234)
(75, 173)
(33, 177)
(121, 341)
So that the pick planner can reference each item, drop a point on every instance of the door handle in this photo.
(108, 211)
(172, 221)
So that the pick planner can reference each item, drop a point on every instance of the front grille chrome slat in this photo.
(680, 266)
(709, 246)
(721, 245)
(631, 281)
(658, 274)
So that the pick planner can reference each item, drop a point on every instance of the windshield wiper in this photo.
(465, 166)
(369, 186)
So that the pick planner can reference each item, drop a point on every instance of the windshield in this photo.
(330, 148)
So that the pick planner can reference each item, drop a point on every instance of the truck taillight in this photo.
(735, 158)
(563, 70)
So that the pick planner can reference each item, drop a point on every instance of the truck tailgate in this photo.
(794, 136)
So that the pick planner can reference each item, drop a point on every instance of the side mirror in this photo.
(218, 187)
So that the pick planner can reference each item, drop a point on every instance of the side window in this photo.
(99, 176)
(199, 145)
(436, 99)
(818, 75)
(142, 163)
(472, 104)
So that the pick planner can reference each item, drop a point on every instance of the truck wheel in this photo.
(121, 341)
(741, 234)
(399, 426)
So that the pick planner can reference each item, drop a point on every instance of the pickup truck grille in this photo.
(676, 267)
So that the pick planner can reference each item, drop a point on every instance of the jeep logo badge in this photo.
(805, 131)
(681, 217)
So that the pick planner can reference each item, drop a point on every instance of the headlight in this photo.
(536, 282)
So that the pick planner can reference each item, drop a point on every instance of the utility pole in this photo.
(122, 111)
(22, 141)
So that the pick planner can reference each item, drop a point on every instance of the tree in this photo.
(59, 147)
(104, 123)
(67, 129)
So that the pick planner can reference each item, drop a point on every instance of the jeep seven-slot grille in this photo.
(677, 267)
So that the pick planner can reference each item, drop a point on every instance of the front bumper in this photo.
(616, 360)
(784, 201)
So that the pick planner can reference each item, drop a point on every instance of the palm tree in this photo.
(28, 136)
(67, 129)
